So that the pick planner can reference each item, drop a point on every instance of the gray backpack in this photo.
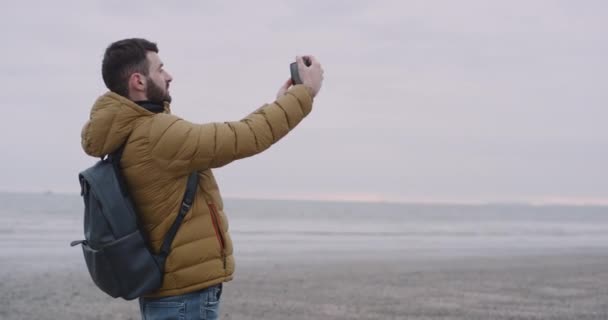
(115, 249)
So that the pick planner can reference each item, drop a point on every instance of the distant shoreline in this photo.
(438, 203)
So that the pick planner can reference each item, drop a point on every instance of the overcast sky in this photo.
(422, 101)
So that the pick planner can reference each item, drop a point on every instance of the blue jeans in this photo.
(201, 305)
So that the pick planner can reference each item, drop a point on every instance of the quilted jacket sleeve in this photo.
(183, 147)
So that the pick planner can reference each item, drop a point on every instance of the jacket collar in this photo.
(151, 106)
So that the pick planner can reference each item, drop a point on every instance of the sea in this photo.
(45, 224)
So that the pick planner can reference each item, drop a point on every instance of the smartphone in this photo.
(295, 75)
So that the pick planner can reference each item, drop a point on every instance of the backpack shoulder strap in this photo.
(115, 158)
(186, 204)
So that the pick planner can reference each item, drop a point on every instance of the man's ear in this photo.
(137, 82)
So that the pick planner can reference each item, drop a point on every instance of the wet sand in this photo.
(418, 285)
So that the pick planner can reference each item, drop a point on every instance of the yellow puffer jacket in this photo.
(161, 150)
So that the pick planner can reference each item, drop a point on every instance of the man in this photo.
(161, 150)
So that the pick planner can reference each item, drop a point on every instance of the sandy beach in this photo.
(565, 286)
(420, 273)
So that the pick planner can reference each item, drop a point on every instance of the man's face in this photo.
(157, 81)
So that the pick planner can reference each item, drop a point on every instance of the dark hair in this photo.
(122, 59)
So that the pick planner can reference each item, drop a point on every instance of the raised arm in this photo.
(183, 146)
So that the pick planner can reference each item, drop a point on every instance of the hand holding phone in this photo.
(307, 71)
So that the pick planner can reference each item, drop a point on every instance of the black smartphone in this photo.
(295, 75)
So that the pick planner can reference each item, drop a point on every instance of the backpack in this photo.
(115, 249)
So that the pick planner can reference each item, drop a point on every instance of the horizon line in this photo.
(368, 198)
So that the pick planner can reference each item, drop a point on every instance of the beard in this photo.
(156, 94)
